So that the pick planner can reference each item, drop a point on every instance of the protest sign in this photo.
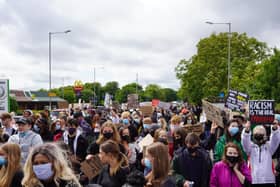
(132, 101)
(164, 105)
(155, 102)
(213, 113)
(92, 167)
(261, 111)
(197, 128)
(4, 95)
(146, 110)
(236, 100)
(147, 140)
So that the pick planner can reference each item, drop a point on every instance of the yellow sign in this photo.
(78, 85)
(51, 94)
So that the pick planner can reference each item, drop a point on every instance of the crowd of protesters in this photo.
(39, 151)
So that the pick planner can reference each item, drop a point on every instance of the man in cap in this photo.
(26, 138)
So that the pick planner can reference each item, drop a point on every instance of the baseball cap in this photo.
(23, 121)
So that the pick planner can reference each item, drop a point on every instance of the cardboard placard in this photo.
(197, 128)
(164, 105)
(92, 167)
(147, 140)
(236, 100)
(213, 113)
(146, 110)
(132, 101)
(261, 111)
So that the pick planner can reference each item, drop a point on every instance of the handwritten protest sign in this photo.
(132, 101)
(197, 128)
(92, 167)
(236, 100)
(146, 110)
(213, 113)
(261, 111)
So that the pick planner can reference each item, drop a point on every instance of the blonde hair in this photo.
(113, 149)
(8, 171)
(61, 168)
(147, 120)
(125, 115)
(116, 136)
(175, 119)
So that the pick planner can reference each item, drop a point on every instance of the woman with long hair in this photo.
(10, 173)
(157, 159)
(116, 166)
(232, 170)
(46, 166)
(232, 134)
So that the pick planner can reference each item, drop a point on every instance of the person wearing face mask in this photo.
(174, 123)
(232, 170)
(125, 120)
(108, 132)
(11, 173)
(232, 134)
(41, 127)
(26, 138)
(57, 129)
(260, 151)
(179, 137)
(157, 159)
(192, 164)
(131, 148)
(46, 166)
(76, 142)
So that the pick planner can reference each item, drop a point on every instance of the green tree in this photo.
(86, 95)
(205, 73)
(267, 84)
(111, 88)
(121, 95)
(13, 104)
(169, 94)
(153, 91)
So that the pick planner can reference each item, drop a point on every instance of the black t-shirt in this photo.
(16, 181)
(117, 180)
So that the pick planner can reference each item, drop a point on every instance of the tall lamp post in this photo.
(94, 81)
(50, 64)
(229, 37)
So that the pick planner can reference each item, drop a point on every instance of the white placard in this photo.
(4, 95)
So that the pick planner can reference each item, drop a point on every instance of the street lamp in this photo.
(229, 37)
(50, 64)
(94, 76)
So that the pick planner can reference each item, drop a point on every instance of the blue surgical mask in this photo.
(233, 130)
(148, 163)
(125, 121)
(57, 126)
(146, 126)
(43, 171)
(36, 128)
(3, 161)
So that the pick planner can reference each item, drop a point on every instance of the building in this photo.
(37, 100)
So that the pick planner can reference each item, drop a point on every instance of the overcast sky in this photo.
(120, 38)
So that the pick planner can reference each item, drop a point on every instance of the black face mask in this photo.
(178, 141)
(71, 130)
(126, 138)
(259, 138)
(232, 159)
(108, 135)
(192, 150)
(163, 140)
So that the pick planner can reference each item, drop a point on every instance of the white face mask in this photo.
(43, 171)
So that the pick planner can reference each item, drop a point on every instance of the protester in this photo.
(58, 128)
(147, 125)
(42, 127)
(158, 159)
(260, 151)
(161, 136)
(232, 134)
(27, 113)
(179, 137)
(11, 173)
(193, 164)
(25, 138)
(108, 132)
(175, 123)
(116, 165)
(76, 141)
(126, 121)
(46, 166)
(131, 148)
(7, 124)
(232, 170)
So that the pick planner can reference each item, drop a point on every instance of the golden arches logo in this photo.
(78, 85)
